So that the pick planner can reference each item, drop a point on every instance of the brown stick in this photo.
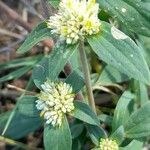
(20, 89)
(14, 16)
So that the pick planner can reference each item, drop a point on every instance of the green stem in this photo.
(87, 76)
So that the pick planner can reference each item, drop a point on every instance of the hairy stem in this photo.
(87, 76)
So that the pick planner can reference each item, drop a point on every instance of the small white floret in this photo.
(55, 100)
(75, 19)
(108, 144)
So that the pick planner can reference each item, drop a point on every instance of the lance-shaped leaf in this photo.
(20, 126)
(123, 110)
(141, 92)
(96, 133)
(27, 106)
(58, 138)
(111, 75)
(138, 124)
(76, 129)
(39, 33)
(51, 66)
(84, 112)
(16, 74)
(133, 145)
(128, 15)
(26, 61)
(141, 6)
(106, 119)
(119, 51)
(76, 81)
(118, 135)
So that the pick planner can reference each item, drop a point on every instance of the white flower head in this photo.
(54, 101)
(75, 19)
(108, 144)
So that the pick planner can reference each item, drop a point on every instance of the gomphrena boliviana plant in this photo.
(74, 118)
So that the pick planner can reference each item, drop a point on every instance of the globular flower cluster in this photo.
(54, 101)
(108, 144)
(75, 19)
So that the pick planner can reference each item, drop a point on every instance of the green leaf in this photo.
(54, 3)
(39, 33)
(118, 135)
(51, 66)
(76, 145)
(106, 119)
(141, 7)
(96, 133)
(144, 44)
(123, 54)
(133, 145)
(138, 124)
(27, 61)
(58, 138)
(20, 126)
(76, 130)
(40, 72)
(76, 81)
(141, 92)
(123, 110)
(111, 75)
(129, 15)
(16, 74)
(84, 112)
(27, 106)
(74, 60)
